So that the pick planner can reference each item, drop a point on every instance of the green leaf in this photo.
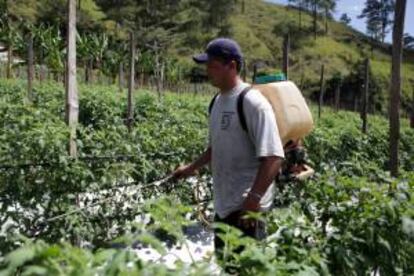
(385, 244)
(153, 242)
(35, 270)
(20, 256)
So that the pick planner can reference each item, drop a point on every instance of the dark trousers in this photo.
(258, 231)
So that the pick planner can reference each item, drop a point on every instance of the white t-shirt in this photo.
(235, 152)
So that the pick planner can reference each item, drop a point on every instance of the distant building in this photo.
(3, 55)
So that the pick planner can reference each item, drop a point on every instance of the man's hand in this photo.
(250, 204)
(183, 172)
(191, 169)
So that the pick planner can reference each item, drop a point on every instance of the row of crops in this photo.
(63, 216)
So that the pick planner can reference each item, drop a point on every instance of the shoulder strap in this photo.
(240, 109)
(210, 107)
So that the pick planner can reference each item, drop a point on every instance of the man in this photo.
(244, 163)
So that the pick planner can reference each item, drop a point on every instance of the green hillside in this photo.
(339, 49)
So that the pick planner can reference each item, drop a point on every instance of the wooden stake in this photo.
(121, 76)
(30, 67)
(244, 70)
(365, 99)
(254, 73)
(9, 61)
(338, 95)
(286, 46)
(412, 111)
(322, 90)
(72, 104)
(395, 90)
(131, 83)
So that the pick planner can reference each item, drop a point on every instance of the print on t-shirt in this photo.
(226, 118)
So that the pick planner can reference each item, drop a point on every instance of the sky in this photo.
(354, 8)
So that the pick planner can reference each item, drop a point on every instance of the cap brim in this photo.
(202, 58)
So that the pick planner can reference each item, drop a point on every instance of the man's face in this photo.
(220, 72)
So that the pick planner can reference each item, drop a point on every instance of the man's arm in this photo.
(268, 169)
(189, 169)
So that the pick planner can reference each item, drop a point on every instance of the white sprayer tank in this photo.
(293, 116)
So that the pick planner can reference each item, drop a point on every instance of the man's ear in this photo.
(233, 64)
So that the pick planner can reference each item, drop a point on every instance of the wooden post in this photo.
(322, 90)
(121, 76)
(142, 78)
(286, 45)
(302, 74)
(42, 66)
(365, 99)
(89, 71)
(338, 95)
(30, 66)
(72, 104)
(19, 72)
(412, 111)
(65, 75)
(395, 90)
(157, 69)
(85, 72)
(254, 73)
(162, 77)
(131, 83)
(9, 61)
(244, 70)
(195, 88)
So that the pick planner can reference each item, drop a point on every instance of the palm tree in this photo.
(11, 36)
(92, 49)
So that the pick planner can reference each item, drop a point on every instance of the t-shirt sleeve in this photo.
(262, 127)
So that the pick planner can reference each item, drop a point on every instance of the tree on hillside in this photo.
(408, 41)
(378, 15)
(25, 14)
(395, 90)
(373, 22)
(218, 15)
(328, 7)
(345, 19)
(315, 4)
(167, 26)
(317, 8)
(300, 6)
(89, 15)
(386, 14)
